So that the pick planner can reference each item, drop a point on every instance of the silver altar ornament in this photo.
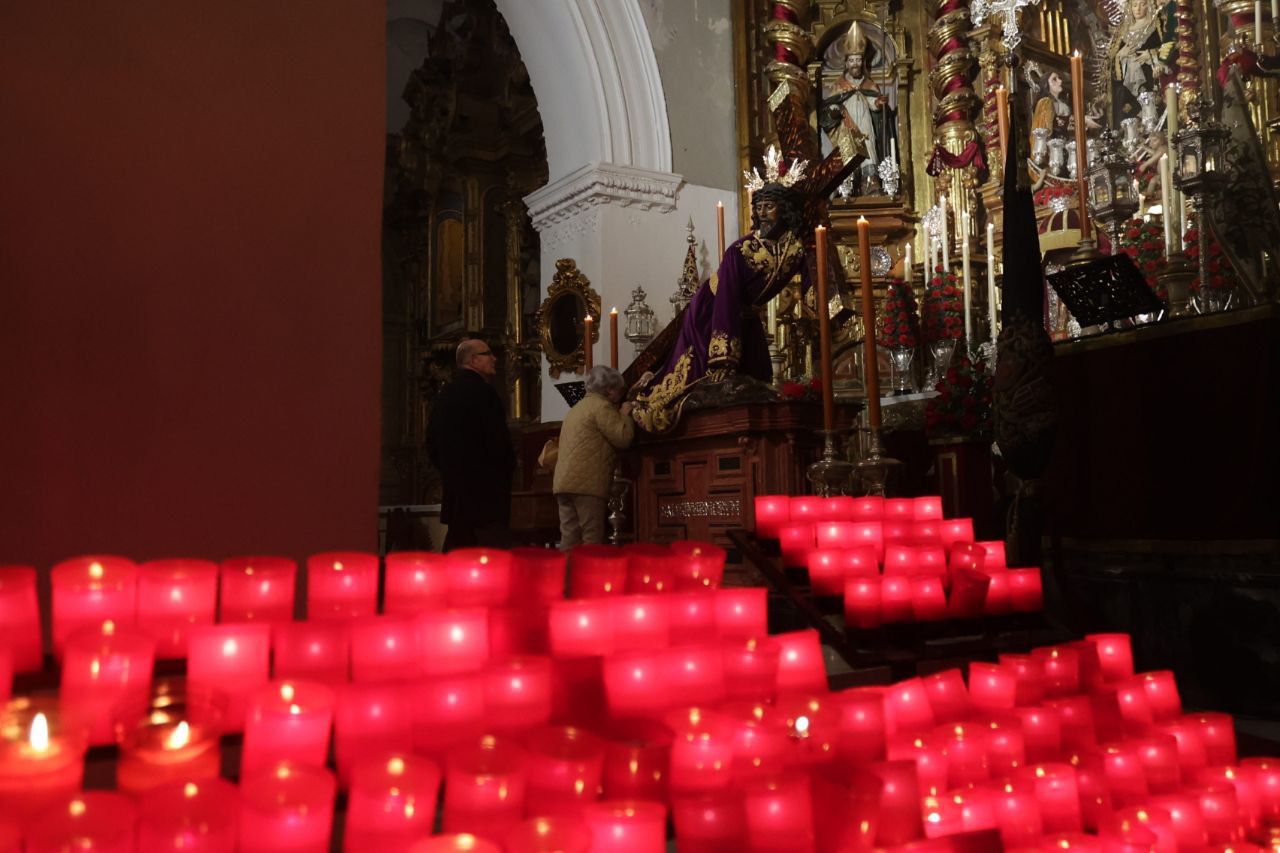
(1040, 146)
(889, 176)
(1132, 135)
(1058, 157)
(642, 325)
(1150, 110)
(1010, 35)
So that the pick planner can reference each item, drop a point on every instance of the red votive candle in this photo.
(870, 534)
(807, 509)
(484, 789)
(1115, 655)
(795, 541)
(342, 585)
(836, 534)
(701, 751)
(964, 746)
(907, 708)
(1159, 756)
(635, 683)
(862, 605)
(391, 803)
(1025, 590)
(1029, 672)
(927, 533)
(837, 508)
(637, 758)
(811, 721)
(578, 691)
(696, 674)
(948, 696)
(1076, 713)
(20, 616)
(955, 531)
(771, 512)
(537, 574)
(899, 813)
(1185, 815)
(1245, 781)
(1132, 705)
(1006, 746)
(1090, 667)
(1220, 808)
(900, 509)
(517, 693)
(581, 627)
(1162, 695)
(992, 687)
(41, 760)
(868, 509)
(174, 738)
(897, 531)
(189, 816)
(596, 570)
(455, 842)
(478, 577)
(416, 581)
(288, 722)
(1191, 752)
(627, 826)
(750, 668)
(1061, 669)
(994, 554)
(452, 641)
(447, 710)
(742, 612)
(760, 740)
(895, 599)
(1058, 794)
(371, 721)
(565, 770)
(966, 555)
(999, 598)
(315, 651)
(800, 664)
(1041, 732)
(860, 726)
(650, 567)
(559, 834)
(641, 622)
(1267, 775)
(1018, 817)
(256, 589)
(1218, 734)
(968, 593)
(518, 630)
(928, 601)
(103, 668)
(693, 616)
(233, 659)
(89, 820)
(88, 591)
(173, 595)
(1123, 773)
(826, 571)
(780, 813)
(1156, 825)
(926, 507)
(383, 648)
(710, 822)
(697, 565)
(287, 808)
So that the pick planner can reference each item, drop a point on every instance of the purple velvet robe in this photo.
(721, 328)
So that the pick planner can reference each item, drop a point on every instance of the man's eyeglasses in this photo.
(487, 352)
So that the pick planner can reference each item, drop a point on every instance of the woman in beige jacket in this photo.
(592, 433)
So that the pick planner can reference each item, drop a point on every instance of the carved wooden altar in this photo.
(700, 481)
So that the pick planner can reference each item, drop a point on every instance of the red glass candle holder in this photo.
(635, 683)
(103, 668)
(750, 668)
(564, 772)
(1191, 751)
(811, 724)
(965, 749)
(1058, 794)
(870, 534)
(342, 585)
(1159, 756)
(999, 595)
(383, 648)
(373, 720)
(1005, 744)
(900, 509)
(742, 612)
(172, 737)
(559, 834)
(519, 630)
(955, 531)
(780, 813)
(416, 581)
(1162, 695)
(627, 826)
(1144, 827)
(899, 812)
(868, 508)
(1029, 672)
(897, 531)
(948, 695)
(693, 616)
(927, 507)
(453, 641)
(1025, 591)
(173, 595)
(597, 570)
(968, 594)
(710, 822)
(1018, 817)
(1041, 732)
(538, 574)
(478, 577)
(697, 565)
(1132, 704)
(862, 604)
(1123, 773)
(233, 659)
(256, 589)
(287, 808)
(966, 556)
(41, 758)
(928, 600)
(760, 740)
(836, 508)
(313, 650)
(455, 842)
(771, 512)
(860, 726)
(189, 816)
(795, 541)
(1218, 734)
(447, 710)
(650, 568)
(695, 674)
(484, 790)
(1089, 665)
(1115, 655)
(1186, 818)
(1220, 808)
(926, 534)
(88, 591)
(701, 751)
(89, 820)
(288, 722)
(578, 691)
(1076, 714)
(391, 802)
(895, 599)
(1266, 772)
(637, 759)
(826, 571)
(517, 693)
(641, 622)
(20, 616)
(801, 667)
(994, 557)
(807, 508)
(1061, 666)
(581, 627)
(907, 708)
(992, 687)
(836, 534)
(1244, 780)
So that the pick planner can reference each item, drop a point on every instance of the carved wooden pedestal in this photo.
(700, 481)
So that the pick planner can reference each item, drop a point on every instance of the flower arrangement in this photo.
(943, 312)
(898, 321)
(1144, 242)
(810, 390)
(963, 404)
(1045, 195)
(1221, 275)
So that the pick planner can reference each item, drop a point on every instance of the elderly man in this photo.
(468, 441)
(590, 438)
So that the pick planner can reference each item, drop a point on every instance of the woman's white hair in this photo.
(602, 380)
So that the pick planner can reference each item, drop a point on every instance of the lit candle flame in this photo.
(286, 692)
(179, 737)
(96, 571)
(39, 736)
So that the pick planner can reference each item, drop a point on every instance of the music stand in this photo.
(1105, 290)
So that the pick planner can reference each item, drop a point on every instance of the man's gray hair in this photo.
(466, 349)
(602, 380)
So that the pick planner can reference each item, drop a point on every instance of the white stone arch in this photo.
(595, 76)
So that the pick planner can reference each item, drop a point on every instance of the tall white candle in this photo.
(968, 301)
(946, 250)
(991, 278)
(893, 143)
(928, 256)
(907, 274)
(1166, 182)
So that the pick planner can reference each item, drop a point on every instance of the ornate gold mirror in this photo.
(560, 318)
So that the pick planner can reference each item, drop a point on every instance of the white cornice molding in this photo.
(602, 184)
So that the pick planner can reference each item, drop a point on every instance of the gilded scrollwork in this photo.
(570, 298)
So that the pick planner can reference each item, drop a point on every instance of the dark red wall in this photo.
(190, 197)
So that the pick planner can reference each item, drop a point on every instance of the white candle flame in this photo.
(39, 735)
